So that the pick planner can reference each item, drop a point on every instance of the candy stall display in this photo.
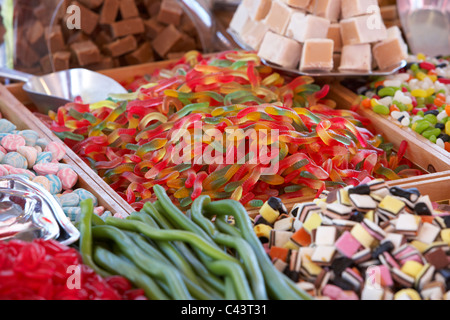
(233, 175)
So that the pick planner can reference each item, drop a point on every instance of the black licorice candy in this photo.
(277, 204)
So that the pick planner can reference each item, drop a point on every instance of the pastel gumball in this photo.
(3, 171)
(55, 183)
(30, 137)
(69, 200)
(8, 167)
(41, 143)
(43, 169)
(38, 148)
(58, 150)
(15, 160)
(25, 172)
(68, 178)
(6, 126)
(29, 153)
(84, 194)
(43, 181)
(12, 142)
(44, 157)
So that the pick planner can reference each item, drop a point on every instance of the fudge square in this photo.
(317, 55)
(280, 50)
(356, 57)
(388, 53)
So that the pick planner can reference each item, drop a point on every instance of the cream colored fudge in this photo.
(307, 26)
(356, 57)
(299, 4)
(353, 8)
(254, 34)
(241, 19)
(334, 33)
(317, 55)
(280, 50)
(388, 53)
(329, 9)
(278, 17)
(395, 32)
(258, 9)
(363, 29)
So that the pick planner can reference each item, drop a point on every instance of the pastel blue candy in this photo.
(6, 126)
(30, 137)
(84, 194)
(57, 199)
(44, 157)
(73, 213)
(16, 160)
(41, 143)
(55, 183)
(69, 200)
(4, 134)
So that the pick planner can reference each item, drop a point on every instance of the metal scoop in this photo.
(51, 91)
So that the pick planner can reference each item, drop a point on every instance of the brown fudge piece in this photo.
(121, 46)
(164, 42)
(186, 44)
(170, 12)
(153, 28)
(61, 60)
(92, 4)
(128, 9)
(152, 7)
(35, 32)
(77, 37)
(55, 37)
(126, 27)
(26, 55)
(46, 66)
(86, 52)
(141, 55)
(109, 11)
(89, 19)
(104, 64)
(102, 38)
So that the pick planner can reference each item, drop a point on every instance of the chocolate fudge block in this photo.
(128, 9)
(168, 38)
(61, 60)
(121, 46)
(86, 52)
(109, 12)
(170, 12)
(89, 19)
(127, 27)
(142, 54)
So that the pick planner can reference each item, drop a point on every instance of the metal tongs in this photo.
(426, 24)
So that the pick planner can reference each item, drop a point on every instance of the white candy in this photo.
(386, 101)
(441, 116)
(440, 143)
(393, 83)
(396, 114)
(416, 118)
(405, 122)
(402, 77)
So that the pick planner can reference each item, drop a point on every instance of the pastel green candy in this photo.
(44, 157)
(41, 143)
(6, 126)
(430, 118)
(431, 132)
(84, 194)
(70, 200)
(433, 139)
(380, 109)
(421, 126)
(16, 160)
(388, 91)
(30, 137)
(55, 183)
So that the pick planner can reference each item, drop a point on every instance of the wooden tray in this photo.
(438, 166)
(17, 113)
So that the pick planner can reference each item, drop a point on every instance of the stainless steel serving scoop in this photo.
(51, 91)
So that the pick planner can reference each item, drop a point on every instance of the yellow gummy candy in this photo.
(419, 93)
(313, 221)
(412, 268)
(363, 236)
(391, 204)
